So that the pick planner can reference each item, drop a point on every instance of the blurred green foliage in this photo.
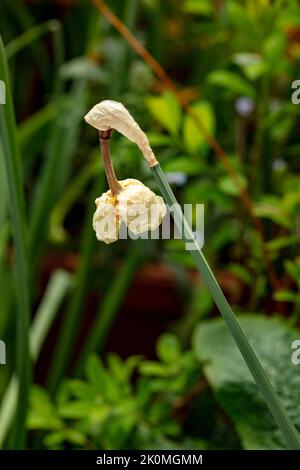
(233, 385)
(111, 410)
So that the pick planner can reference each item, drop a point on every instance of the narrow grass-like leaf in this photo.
(121, 65)
(55, 172)
(24, 21)
(265, 386)
(29, 36)
(33, 132)
(6, 284)
(36, 121)
(68, 199)
(57, 288)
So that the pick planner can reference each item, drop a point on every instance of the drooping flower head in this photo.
(128, 201)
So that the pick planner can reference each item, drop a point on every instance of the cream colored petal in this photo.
(105, 222)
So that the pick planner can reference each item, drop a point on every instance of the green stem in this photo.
(12, 160)
(266, 388)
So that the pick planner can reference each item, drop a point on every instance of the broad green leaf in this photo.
(122, 370)
(166, 110)
(274, 48)
(231, 81)
(233, 384)
(193, 136)
(82, 390)
(291, 202)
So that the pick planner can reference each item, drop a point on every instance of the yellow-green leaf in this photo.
(193, 137)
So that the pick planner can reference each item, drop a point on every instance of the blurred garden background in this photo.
(121, 346)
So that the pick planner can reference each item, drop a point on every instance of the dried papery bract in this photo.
(113, 115)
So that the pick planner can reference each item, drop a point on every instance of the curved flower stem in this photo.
(265, 386)
(114, 185)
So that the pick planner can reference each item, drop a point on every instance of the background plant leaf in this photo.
(233, 385)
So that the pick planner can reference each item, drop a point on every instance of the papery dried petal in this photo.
(136, 205)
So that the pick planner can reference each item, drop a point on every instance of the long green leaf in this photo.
(71, 319)
(29, 36)
(17, 210)
(265, 386)
(110, 307)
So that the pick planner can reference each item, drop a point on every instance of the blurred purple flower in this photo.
(176, 177)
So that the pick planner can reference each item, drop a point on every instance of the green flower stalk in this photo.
(109, 115)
